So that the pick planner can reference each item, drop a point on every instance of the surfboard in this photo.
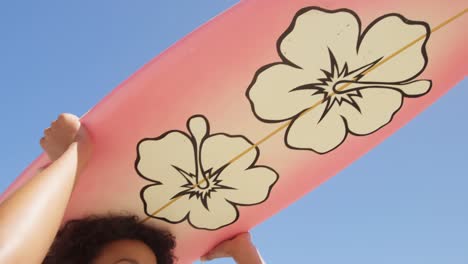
(258, 107)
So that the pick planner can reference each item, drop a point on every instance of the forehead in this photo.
(126, 252)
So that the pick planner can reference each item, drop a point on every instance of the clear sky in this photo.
(404, 202)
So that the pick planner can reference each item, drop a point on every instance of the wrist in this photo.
(82, 154)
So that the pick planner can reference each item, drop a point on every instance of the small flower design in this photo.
(329, 63)
(196, 176)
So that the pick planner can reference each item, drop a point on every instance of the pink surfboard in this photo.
(258, 107)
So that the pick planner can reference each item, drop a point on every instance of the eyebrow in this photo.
(129, 261)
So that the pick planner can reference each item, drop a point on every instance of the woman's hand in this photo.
(64, 132)
(240, 248)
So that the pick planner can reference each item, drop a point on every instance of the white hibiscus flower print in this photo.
(195, 178)
(329, 84)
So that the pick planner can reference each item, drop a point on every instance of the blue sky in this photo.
(404, 202)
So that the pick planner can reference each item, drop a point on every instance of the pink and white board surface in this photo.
(259, 106)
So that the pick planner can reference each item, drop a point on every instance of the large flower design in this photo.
(329, 84)
(196, 178)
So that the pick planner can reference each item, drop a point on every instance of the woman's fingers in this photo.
(61, 133)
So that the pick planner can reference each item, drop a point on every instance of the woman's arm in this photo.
(31, 216)
(240, 248)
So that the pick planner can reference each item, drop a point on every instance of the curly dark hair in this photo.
(80, 241)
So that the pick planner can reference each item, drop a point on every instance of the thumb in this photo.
(214, 255)
(206, 257)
